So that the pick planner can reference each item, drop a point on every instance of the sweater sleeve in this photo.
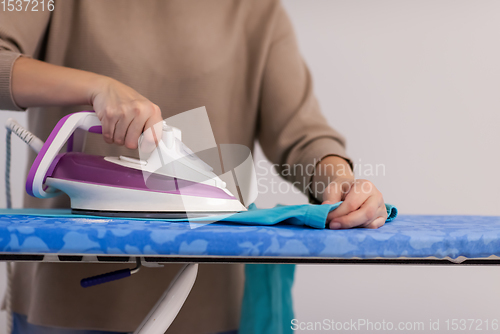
(292, 131)
(21, 33)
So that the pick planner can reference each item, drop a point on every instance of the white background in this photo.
(413, 85)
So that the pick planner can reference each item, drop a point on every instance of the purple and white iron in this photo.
(124, 186)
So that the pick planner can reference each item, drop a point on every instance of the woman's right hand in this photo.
(125, 115)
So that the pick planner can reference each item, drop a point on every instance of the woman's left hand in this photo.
(362, 206)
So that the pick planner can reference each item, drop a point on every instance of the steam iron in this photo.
(172, 183)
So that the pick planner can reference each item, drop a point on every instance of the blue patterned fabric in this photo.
(412, 236)
(243, 234)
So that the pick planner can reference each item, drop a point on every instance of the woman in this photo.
(126, 59)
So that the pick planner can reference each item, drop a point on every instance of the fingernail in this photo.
(335, 226)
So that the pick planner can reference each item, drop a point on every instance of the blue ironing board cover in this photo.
(410, 236)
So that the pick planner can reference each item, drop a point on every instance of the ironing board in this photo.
(410, 239)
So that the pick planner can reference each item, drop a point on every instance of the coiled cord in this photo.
(36, 144)
(8, 196)
(8, 306)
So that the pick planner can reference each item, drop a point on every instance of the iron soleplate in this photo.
(144, 214)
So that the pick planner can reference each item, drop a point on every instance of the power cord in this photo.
(36, 144)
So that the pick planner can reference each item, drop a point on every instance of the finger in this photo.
(121, 128)
(368, 211)
(332, 194)
(352, 202)
(137, 126)
(153, 129)
(382, 213)
(108, 123)
(380, 221)
(155, 122)
(356, 196)
(336, 190)
(134, 131)
(334, 225)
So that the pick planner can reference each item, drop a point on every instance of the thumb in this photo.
(151, 137)
(333, 193)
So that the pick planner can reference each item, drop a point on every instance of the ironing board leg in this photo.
(168, 306)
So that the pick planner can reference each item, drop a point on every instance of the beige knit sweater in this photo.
(239, 58)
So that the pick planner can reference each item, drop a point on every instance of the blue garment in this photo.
(302, 215)
(267, 302)
(267, 306)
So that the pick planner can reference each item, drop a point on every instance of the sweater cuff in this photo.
(313, 154)
(7, 60)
